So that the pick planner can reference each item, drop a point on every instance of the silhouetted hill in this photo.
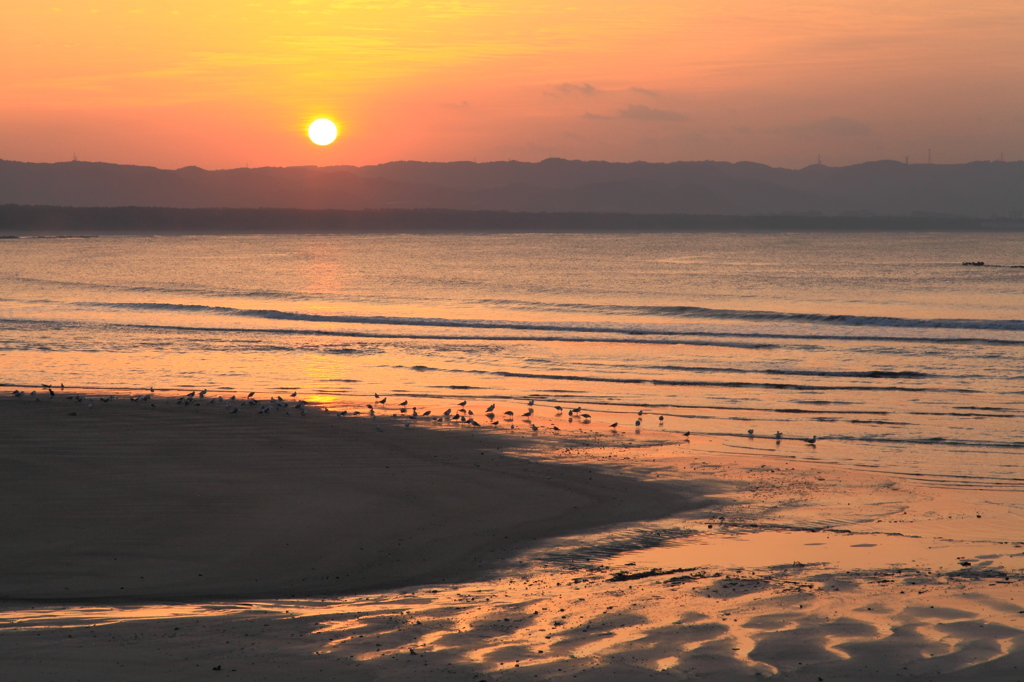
(980, 189)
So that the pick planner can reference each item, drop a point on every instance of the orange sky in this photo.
(222, 84)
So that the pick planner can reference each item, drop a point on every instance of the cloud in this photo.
(640, 112)
(645, 91)
(575, 88)
(835, 125)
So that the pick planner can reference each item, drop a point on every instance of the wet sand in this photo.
(483, 556)
(153, 500)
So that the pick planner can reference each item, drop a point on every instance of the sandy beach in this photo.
(162, 541)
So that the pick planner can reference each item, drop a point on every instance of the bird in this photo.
(661, 417)
(530, 403)
(427, 413)
(383, 400)
(637, 424)
(490, 409)
(811, 441)
(614, 424)
(403, 403)
(448, 412)
(294, 393)
(640, 413)
(534, 427)
(750, 432)
(462, 404)
(778, 435)
(509, 413)
(251, 394)
(686, 434)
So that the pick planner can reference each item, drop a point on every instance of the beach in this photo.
(148, 538)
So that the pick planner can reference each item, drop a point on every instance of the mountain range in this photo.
(886, 188)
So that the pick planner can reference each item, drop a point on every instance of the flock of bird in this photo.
(460, 413)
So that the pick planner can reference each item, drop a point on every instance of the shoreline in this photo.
(156, 501)
(735, 563)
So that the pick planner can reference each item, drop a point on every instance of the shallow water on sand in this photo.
(884, 346)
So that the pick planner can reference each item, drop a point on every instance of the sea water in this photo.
(884, 346)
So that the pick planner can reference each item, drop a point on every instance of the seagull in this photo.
(490, 409)
(686, 434)
(750, 432)
(251, 394)
(778, 435)
(462, 404)
(661, 417)
(811, 441)
(510, 413)
(529, 403)
(403, 403)
(637, 423)
(614, 424)
(294, 393)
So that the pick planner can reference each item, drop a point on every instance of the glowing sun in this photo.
(323, 131)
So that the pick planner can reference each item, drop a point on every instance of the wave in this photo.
(774, 316)
(690, 382)
(61, 324)
(575, 327)
(837, 319)
(864, 374)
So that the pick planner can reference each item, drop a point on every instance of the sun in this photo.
(323, 131)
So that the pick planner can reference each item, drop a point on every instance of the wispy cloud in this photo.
(641, 112)
(575, 89)
(645, 91)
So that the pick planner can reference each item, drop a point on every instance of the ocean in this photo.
(884, 346)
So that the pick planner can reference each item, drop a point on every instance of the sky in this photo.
(783, 82)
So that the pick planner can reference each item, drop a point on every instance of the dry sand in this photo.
(167, 542)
